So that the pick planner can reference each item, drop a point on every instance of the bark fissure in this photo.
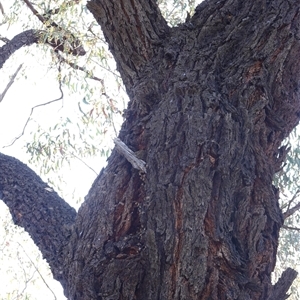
(210, 104)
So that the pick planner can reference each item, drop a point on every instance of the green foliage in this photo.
(83, 122)
(98, 118)
(86, 132)
(90, 112)
(288, 182)
(176, 11)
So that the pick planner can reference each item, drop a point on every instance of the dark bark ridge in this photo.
(209, 110)
(210, 103)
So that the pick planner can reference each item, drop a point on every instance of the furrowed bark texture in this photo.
(38, 209)
(210, 103)
(25, 38)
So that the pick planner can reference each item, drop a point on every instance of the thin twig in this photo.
(292, 200)
(2, 10)
(11, 81)
(38, 271)
(76, 67)
(27, 280)
(84, 163)
(109, 101)
(35, 12)
(113, 124)
(4, 39)
(32, 109)
(106, 68)
(292, 210)
(290, 228)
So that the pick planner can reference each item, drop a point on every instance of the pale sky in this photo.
(40, 86)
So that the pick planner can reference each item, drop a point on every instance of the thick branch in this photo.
(133, 29)
(283, 284)
(38, 209)
(25, 38)
(29, 37)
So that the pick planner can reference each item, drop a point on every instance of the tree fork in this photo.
(210, 104)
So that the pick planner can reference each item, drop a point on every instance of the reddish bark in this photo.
(210, 104)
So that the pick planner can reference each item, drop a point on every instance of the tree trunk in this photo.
(210, 104)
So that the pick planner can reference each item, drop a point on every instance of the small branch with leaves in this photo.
(67, 42)
(76, 67)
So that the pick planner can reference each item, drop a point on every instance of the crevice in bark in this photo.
(210, 104)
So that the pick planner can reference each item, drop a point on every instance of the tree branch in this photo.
(38, 271)
(74, 45)
(123, 149)
(41, 212)
(29, 37)
(11, 81)
(4, 39)
(291, 211)
(25, 38)
(76, 67)
(290, 228)
(283, 284)
(132, 28)
(36, 106)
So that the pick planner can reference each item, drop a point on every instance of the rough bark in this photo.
(25, 38)
(32, 36)
(210, 104)
(38, 209)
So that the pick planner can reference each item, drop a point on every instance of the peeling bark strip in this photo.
(210, 104)
(130, 156)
